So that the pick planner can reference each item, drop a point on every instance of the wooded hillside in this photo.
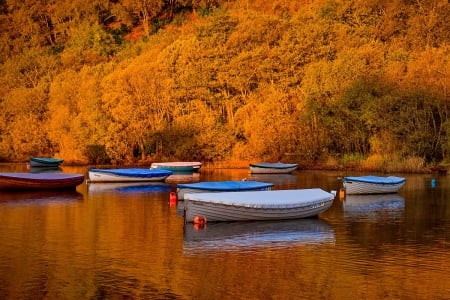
(311, 81)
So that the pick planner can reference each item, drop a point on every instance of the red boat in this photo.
(39, 181)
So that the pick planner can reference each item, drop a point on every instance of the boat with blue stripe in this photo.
(128, 175)
(371, 184)
(221, 186)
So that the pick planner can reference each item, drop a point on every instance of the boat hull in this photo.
(258, 170)
(372, 185)
(127, 175)
(221, 186)
(272, 168)
(45, 162)
(39, 181)
(257, 205)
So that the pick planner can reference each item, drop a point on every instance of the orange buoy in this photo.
(172, 198)
(199, 220)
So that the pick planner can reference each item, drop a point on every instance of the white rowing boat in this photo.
(272, 168)
(256, 205)
(372, 184)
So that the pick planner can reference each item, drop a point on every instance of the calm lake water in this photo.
(105, 241)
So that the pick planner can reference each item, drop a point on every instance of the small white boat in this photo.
(372, 184)
(127, 175)
(178, 166)
(242, 236)
(221, 186)
(272, 168)
(256, 205)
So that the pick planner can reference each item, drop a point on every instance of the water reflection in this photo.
(183, 178)
(282, 181)
(128, 187)
(374, 207)
(45, 170)
(40, 197)
(247, 236)
(115, 245)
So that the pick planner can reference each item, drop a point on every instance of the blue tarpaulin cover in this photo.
(226, 185)
(376, 179)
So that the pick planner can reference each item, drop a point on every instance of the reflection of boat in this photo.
(372, 184)
(272, 168)
(276, 179)
(178, 166)
(180, 208)
(236, 236)
(40, 197)
(129, 187)
(45, 162)
(24, 181)
(370, 206)
(128, 175)
(221, 186)
(45, 169)
(257, 205)
(183, 178)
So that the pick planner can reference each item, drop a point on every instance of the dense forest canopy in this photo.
(311, 81)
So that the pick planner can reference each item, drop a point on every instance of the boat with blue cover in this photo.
(127, 175)
(221, 186)
(272, 168)
(256, 205)
(371, 184)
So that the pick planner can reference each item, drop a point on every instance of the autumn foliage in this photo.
(313, 81)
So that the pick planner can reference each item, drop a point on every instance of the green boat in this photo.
(178, 166)
(45, 162)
